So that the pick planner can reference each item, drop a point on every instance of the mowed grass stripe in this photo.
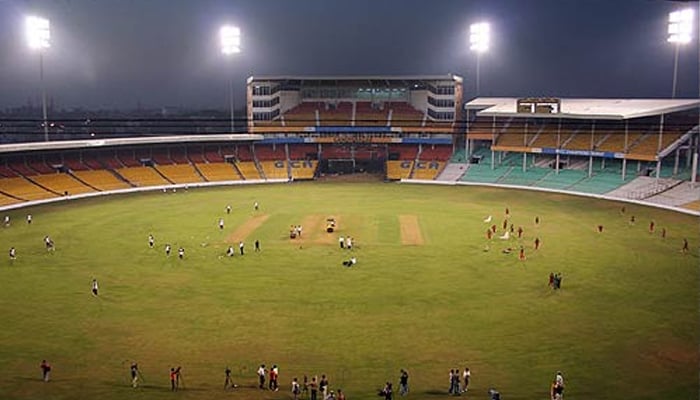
(410, 230)
(247, 228)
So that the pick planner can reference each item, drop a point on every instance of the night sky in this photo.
(122, 53)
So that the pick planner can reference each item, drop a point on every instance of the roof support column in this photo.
(675, 162)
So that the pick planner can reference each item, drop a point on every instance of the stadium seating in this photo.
(212, 154)
(302, 151)
(62, 183)
(128, 158)
(615, 141)
(7, 172)
(274, 169)
(436, 152)
(399, 169)
(427, 169)
(304, 114)
(218, 171)
(24, 189)
(269, 152)
(244, 153)
(403, 114)
(7, 200)
(368, 114)
(339, 114)
(180, 173)
(101, 179)
(303, 169)
(248, 169)
(142, 176)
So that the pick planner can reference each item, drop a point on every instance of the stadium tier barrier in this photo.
(540, 189)
(138, 189)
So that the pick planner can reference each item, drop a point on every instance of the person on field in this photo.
(230, 251)
(256, 206)
(305, 386)
(403, 383)
(341, 395)
(181, 252)
(228, 383)
(521, 256)
(685, 246)
(505, 224)
(348, 243)
(489, 234)
(551, 279)
(651, 227)
(520, 232)
(173, 380)
(228, 209)
(221, 224)
(261, 376)
(295, 389)
(257, 246)
(48, 242)
(178, 376)
(341, 242)
(13, 253)
(29, 219)
(537, 220)
(134, 370)
(493, 228)
(452, 381)
(274, 374)
(45, 370)
(94, 287)
(466, 376)
(151, 241)
(240, 246)
(7, 221)
(632, 220)
(537, 243)
(323, 386)
(313, 388)
(387, 392)
(663, 233)
(600, 228)
(167, 249)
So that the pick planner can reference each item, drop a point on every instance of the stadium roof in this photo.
(98, 143)
(616, 109)
(354, 78)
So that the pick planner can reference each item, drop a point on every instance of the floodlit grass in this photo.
(624, 324)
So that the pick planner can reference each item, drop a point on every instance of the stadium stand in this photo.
(371, 114)
(304, 114)
(274, 169)
(24, 189)
(398, 169)
(62, 183)
(101, 179)
(142, 176)
(248, 170)
(335, 114)
(214, 172)
(180, 173)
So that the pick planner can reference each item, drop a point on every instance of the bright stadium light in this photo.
(38, 33)
(680, 31)
(479, 37)
(479, 40)
(230, 39)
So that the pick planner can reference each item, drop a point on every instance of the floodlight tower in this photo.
(230, 38)
(479, 39)
(38, 37)
(680, 31)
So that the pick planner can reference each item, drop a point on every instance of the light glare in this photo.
(230, 37)
(479, 37)
(38, 32)
(680, 26)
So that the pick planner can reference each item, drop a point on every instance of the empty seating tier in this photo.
(24, 189)
(248, 170)
(274, 169)
(398, 169)
(101, 179)
(218, 171)
(62, 183)
(142, 176)
(180, 173)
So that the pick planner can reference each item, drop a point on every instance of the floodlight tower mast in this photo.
(680, 31)
(38, 34)
(230, 39)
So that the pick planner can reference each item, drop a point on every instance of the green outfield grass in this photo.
(623, 326)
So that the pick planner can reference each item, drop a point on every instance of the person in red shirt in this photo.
(45, 370)
(493, 228)
(522, 254)
(173, 379)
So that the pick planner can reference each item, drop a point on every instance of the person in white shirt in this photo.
(228, 209)
(348, 242)
(151, 241)
(94, 287)
(341, 242)
(240, 247)
(466, 375)
(29, 219)
(181, 253)
(13, 253)
(7, 220)
(256, 206)
(230, 252)
(221, 223)
(167, 250)
(261, 376)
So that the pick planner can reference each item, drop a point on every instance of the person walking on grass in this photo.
(45, 370)
(94, 287)
(173, 380)
(295, 389)
(228, 383)
(134, 370)
(403, 383)
(261, 376)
